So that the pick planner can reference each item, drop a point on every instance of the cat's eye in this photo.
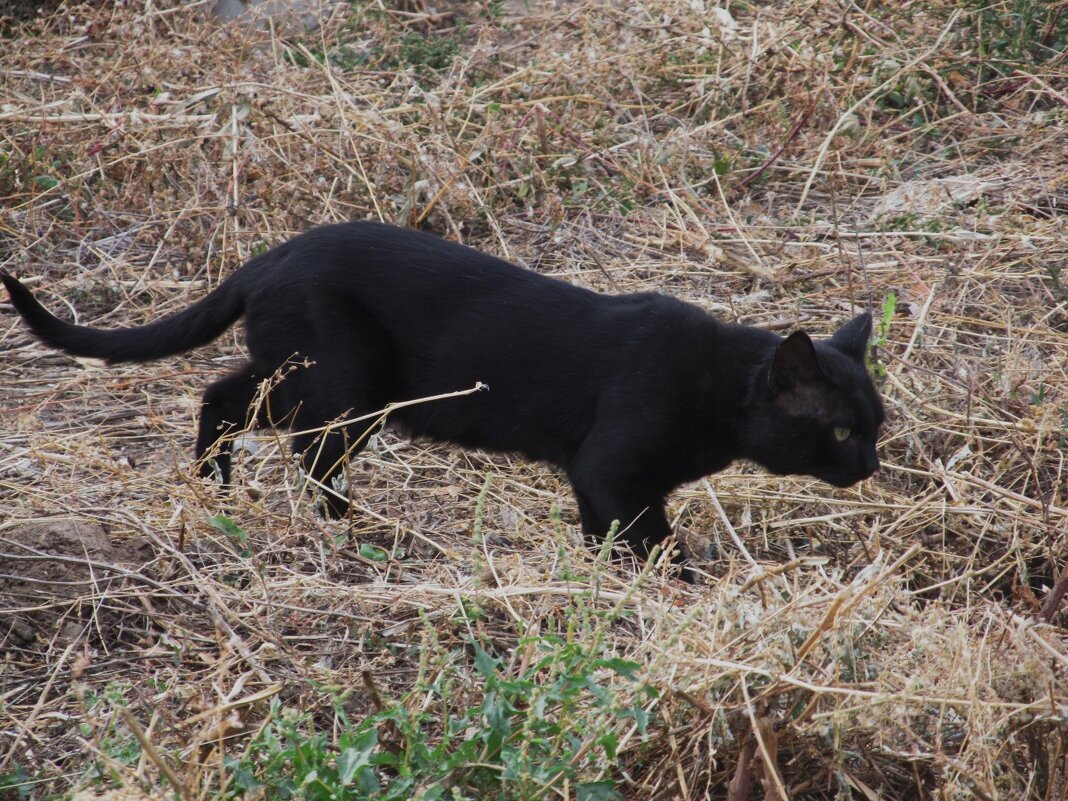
(841, 433)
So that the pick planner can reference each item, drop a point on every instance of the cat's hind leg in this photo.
(323, 456)
(324, 447)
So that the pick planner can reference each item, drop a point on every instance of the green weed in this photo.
(999, 43)
(880, 337)
(103, 726)
(428, 54)
(16, 783)
(30, 169)
(1017, 33)
(535, 725)
(238, 536)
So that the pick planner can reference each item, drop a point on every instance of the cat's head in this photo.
(813, 408)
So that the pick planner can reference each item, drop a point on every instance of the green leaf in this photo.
(598, 791)
(485, 664)
(609, 743)
(641, 719)
(373, 552)
(889, 307)
(357, 756)
(46, 181)
(18, 780)
(232, 530)
(496, 710)
(433, 793)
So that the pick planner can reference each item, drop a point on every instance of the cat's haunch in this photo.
(631, 395)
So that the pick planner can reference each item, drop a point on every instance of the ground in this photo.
(782, 165)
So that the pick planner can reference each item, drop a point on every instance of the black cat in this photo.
(631, 395)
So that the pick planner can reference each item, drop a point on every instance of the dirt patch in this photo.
(54, 574)
(24, 10)
(121, 794)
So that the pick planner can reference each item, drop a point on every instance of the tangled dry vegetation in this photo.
(779, 164)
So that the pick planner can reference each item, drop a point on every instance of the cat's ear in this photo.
(852, 338)
(794, 363)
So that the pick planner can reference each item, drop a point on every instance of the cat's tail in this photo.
(197, 325)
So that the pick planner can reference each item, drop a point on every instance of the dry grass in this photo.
(780, 167)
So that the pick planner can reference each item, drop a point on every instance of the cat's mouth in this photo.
(843, 480)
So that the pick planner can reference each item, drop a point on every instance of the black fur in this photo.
(631, 395)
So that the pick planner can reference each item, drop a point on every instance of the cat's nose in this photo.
(871, 464)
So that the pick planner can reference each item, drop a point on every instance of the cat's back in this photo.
(383, 250)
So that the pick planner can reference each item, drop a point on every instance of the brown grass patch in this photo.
(781, 166)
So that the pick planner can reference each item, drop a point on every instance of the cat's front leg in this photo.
(642, 522)
(223, 413)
